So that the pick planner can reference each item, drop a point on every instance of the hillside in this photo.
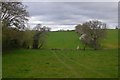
(70, 40)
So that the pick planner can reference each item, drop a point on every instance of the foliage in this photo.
(94, 31)
(14, 38)
(36, 40)
(27, 40)
(11, 37)
(13, 18)
(39, 37)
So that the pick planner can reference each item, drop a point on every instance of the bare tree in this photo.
(38, 27)
(46, 28)
(92, 32)
(13, 14)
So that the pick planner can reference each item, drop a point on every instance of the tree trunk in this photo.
(95, 44)
(84, 47)
(35, 44)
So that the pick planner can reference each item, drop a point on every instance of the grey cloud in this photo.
(73, 12)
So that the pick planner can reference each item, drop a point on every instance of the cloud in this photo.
(72, 13)
(69, 0)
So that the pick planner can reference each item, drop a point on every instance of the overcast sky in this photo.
(65, 15)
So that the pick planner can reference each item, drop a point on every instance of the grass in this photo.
(60, 63)
(65, 63)
(111, 39)
(70, 40)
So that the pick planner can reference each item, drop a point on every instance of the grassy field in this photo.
(70, 40)
(111, 39)
(60, 63)
(67, 62)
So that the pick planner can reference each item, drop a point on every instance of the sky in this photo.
(66, 15)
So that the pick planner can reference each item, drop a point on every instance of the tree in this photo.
(11, 38)
(116, 27)
(27, 39)
(38, 27)
(46, 28)
(13, 14)
(39, 37)
(92, 32)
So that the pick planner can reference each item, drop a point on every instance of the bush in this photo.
(11, 38)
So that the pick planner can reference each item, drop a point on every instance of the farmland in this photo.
(70, 40)
(64, 60)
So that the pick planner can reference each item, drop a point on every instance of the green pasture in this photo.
(60, 63)
(70, 40)
(60, 59)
